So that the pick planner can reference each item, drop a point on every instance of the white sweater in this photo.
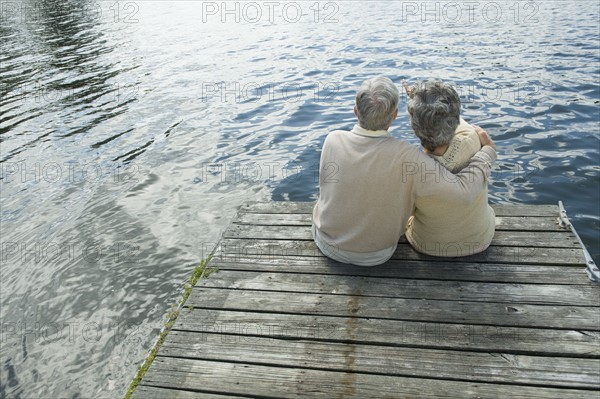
(369, 182)
(443, 227)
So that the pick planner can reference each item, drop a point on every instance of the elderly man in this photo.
(369, 181)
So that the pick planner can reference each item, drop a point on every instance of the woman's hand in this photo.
(484, 137)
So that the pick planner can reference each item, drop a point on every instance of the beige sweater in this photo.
(369, 182)
(445, 227)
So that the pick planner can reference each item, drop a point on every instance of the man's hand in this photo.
(484, 137)
(407, 88)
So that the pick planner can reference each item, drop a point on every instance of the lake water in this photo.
(130, 132)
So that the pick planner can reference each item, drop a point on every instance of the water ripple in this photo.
(126, 147)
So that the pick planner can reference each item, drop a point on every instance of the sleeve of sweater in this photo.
(464, 187)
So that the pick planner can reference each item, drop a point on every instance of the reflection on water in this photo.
(130, 131)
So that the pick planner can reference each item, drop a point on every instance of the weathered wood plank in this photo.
(150, 392)
(268, 232)
(281, 320)
(269, 249)
(306, 207)
(521, 223)
(405, 288)
(282, 382)
(277, 207)
(528, 223)
(274, 219)
(398, 361)
(526, 210)
(446, 271)
(490, 313)
(424, 334)
(564, 239)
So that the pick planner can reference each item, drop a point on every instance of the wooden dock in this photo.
(279, 320)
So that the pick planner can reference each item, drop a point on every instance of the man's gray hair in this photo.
(376, 103)
(434, 109)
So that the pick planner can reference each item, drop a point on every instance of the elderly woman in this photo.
(369, 181)
(442, 226)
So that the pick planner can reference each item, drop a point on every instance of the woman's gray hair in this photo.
(376, 103)
(434, 109)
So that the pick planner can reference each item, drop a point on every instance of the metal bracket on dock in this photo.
(591, 269)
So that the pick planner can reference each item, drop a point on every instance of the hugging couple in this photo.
(374, 188)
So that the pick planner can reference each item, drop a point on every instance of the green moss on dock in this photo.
(199, 271)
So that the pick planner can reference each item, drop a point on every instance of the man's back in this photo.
(366, 197)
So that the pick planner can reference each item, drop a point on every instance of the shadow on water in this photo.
(302, 178)
(82, 87)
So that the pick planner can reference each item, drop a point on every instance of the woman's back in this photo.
(441, 227)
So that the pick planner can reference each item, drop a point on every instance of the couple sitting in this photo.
(375, 188)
